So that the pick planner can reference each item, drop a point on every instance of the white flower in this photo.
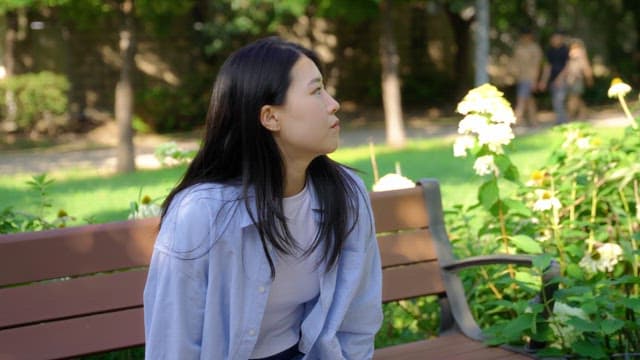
(571, 137)
(393, 182)
(563, 313)
(484, 165)
(609, 256)
(503, 114)
(495, 135)
(618, 88)
(546, 201)
(146, 211)
(462, 144)
(588, 264)
(583, 143)
(472, 123)
(482, 99)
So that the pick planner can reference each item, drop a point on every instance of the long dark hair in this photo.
(237, 148)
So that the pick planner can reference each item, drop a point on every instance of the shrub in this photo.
(40, 97)
(582, 208)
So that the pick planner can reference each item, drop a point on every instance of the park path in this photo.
(104, 159)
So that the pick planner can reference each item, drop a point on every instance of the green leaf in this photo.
(583, 325)
(488, 194)
(517, 207)
(550, 353)
(575, 271)
(527, 279)
(610, 326)
(516, 326)
(633, 304)
(588, 349)
(542, 261)
(526, 244)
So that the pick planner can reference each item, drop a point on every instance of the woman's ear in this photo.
(268, 118)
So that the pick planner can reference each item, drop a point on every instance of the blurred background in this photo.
(71, 66)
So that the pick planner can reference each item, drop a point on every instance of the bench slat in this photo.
(35, 256)
(74, 337)
(453, 346)
(399, 209)
(405, 282)
(406, 248)
(71, 298)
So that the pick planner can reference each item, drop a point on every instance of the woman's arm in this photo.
(364, 315)
(175, 292)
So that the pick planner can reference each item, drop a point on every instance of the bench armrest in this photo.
(524, 260)
(449, 265)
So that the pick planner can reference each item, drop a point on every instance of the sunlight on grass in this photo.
(87, 194)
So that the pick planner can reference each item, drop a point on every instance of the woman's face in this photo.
(306, 123)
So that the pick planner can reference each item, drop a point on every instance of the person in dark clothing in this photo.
(554, 75)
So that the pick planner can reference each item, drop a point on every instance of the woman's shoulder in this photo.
(194, 217)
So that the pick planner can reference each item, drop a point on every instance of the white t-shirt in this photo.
(296, 282)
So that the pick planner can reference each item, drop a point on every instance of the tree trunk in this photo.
(391, 97)
(461, 33)
(482, 42)
(124, 91)
(10, 36)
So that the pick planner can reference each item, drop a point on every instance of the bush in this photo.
(582, 208)
(39, 98)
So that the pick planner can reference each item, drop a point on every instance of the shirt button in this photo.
(252, 332)
(261, 289)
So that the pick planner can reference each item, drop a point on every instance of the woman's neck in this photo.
(295, 178)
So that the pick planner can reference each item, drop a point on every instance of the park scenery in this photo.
(102, 104)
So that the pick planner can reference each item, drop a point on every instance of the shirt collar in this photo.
(246, 218)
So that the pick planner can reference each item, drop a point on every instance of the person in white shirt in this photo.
(267, 247)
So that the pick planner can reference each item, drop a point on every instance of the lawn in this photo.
(87, 194)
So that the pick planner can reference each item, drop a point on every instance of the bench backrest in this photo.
(78, 290)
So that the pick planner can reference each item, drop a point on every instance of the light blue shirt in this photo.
(209, 282)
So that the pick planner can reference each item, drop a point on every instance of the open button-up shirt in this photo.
(209, 282)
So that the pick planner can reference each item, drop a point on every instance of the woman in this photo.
(267, 247)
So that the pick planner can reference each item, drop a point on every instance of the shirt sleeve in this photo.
(363, 318)
(175, 292)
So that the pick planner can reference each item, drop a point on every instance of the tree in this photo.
(482, 42)
(390, 79)
(123, 107)
(12, 11)
(132, 14)
(460, 15)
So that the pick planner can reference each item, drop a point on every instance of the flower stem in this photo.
(634, 124)
(556, 231)
(634, 245)
(505, 236)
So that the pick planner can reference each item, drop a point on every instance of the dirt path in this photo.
(104, 159)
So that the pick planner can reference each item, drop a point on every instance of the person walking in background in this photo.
(554, 75)
(527, 58)
(579, 74)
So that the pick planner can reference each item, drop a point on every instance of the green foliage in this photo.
(13, 222)
(581, 208)
(170, 154)
(39, 95)
(409, 320)
(236, 22)
(10, 5)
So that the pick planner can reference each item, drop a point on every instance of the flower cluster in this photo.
(144, 209)
(393, 181)
(606, 257)
(486, 126)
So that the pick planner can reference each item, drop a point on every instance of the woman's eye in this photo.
(317, 90)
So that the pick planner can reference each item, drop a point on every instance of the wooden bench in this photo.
(75, 291)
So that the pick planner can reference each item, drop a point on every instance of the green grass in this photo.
(87, 194)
